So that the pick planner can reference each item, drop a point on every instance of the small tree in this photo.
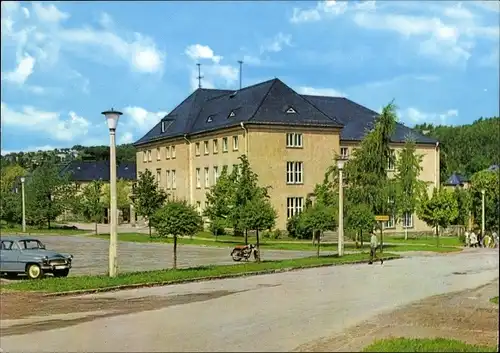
(439, 210)
(91, 202)
(318, 219)
(219, 200)
(464, 201)
(10, 207)
(148, 196)
(258, 214)
(177, 218)
(360, 218)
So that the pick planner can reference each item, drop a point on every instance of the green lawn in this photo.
(164, 276)
(494, 300)
(228, 241)
(443, 241)
(55, 230)
(425, 345)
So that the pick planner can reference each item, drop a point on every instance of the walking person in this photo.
(487, 241)
(473, 240)
(373, 249)
(467, 239)
(495, 239)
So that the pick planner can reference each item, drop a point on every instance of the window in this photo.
(198, 181)
(167, 152)
(294, 206)
(344, 152)
(392, 159)
(144, 156)
(215, 146)
(167, 178)
(231, 115)
(294, 171)
(205, 147)
(407, 220)
(174, 182)
(158, 176)
(163, 126)
(207, 178)
(216, 174)
(290, 111)
(173, 152)
(224, 144)
(235, 143)
(391, 223)
(210, 118)
(197, 149)
(158, 154)
(293, 140)
(150, 157)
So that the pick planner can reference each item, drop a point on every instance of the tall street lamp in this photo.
(340, 166)
(112, 117)
(482, 212)
(23, 204)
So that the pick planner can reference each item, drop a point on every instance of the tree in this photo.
(48, 194)
(487, 180)
(91, 201)
(438, 211)
(464, 201)
(258, 214)
(360, 218)
(318, 218)
(11, 207)
(219, 199)
(123, 190)
(408, 186)
(177, 218)
(148, 197)
(10, 175)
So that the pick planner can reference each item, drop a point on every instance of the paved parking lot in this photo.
(91, 254)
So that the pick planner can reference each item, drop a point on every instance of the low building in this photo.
(290, 140)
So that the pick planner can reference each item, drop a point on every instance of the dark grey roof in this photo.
(98, 170)
(456, 180)
(267, 103)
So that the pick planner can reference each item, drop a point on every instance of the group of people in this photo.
(479, 241)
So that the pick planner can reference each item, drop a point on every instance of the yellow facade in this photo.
(291, 171)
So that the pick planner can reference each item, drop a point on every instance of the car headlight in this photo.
(45, 259)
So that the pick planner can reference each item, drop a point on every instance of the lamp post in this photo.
(112, 117)
(23, 204)
(340, 166)
(482, 212)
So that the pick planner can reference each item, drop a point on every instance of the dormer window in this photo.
(210, 119)
(163, 126)
(290, 111)
(231, 115)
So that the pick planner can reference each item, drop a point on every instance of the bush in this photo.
(461, 237)
(277, 234)
(296, 229)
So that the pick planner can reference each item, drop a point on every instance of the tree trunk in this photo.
(48, 222)
(437, 236)
(95, 228)
(406, 233)
(319, 241)
(356, 238)
(149, 225)
(216, 233)
(361, 236)
(381, 240)
(175, 251)
(258, 245)
(246, 236)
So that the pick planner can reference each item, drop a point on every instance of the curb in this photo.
(200, 279)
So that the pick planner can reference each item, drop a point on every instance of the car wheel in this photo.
(61, 273)
(34, 271)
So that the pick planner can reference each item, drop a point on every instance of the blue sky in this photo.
(65, 62)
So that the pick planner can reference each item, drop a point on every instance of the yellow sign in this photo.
(382, 218)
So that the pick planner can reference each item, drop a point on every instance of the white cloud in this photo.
(49, 13)
(50, 123)
(198, 51)
(23, 70)
(142, 119)
(330, 92)
(458, 12)
(127, 137)
(325, 8)
(277, 43)
(26, 12)
(414, 116)
(105, 20)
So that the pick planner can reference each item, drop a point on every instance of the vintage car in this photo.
(21, 255)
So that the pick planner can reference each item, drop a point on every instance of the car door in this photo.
(9, 256)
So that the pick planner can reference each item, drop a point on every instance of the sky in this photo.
(63, 63)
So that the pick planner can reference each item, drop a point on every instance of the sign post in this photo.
(381, 219)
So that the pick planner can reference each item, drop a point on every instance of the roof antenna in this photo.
(199, 75)
(241, 70)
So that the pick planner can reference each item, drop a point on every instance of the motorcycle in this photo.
(241, 252)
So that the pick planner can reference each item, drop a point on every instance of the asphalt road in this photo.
(277, 312)
(91, 254)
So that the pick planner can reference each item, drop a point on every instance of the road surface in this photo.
(277, 312)
(91, 254)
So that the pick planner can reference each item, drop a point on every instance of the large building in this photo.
(290, 140)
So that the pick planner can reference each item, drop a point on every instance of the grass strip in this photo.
(494, 300)
(170, 276)
(274, 245)
(32, 231)
(425, 345)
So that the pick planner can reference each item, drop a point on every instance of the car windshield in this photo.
(31, 244)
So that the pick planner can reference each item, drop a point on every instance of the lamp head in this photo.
(340, 163)
(112, 117)
(22, 179)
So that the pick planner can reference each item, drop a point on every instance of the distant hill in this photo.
(466, 149)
